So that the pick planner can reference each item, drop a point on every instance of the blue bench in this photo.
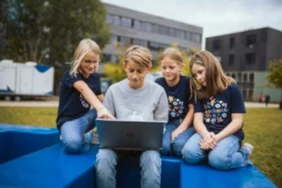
(50, 166)
(16, 141)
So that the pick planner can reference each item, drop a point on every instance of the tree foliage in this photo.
(49, 31)
(275, 75)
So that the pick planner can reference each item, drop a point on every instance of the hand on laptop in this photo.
(105, 114)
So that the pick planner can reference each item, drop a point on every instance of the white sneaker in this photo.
(91, 137)
(95, 138)
(249, 147)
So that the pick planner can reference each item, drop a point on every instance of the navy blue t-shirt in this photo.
(72, 104)
(217, 110)
(178, 97)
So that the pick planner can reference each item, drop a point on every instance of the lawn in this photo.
(263, 129)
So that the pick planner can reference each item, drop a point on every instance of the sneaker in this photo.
(249, 147)
(95, 138)
(91, 137)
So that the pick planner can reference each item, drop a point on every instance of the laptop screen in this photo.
(120, 134)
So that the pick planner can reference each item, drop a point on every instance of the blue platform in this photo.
(34, 157)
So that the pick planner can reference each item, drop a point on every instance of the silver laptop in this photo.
(130, 134)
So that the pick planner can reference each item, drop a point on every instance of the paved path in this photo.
(54, 103)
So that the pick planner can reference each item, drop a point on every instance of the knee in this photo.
(150, 158)
(191, 156)
(219, 161)
(177, 147)
(106, 159)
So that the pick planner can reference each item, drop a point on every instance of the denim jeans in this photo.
(175, 147)
(226, 155)
(106, 162)
(73, 131)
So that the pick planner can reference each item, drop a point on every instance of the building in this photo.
(246, 56)
(2, 28)
(130, 27)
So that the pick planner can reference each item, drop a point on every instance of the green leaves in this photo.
(275, 75)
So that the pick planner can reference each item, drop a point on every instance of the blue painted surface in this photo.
(34, 157)
(205, 176)
(42, 68)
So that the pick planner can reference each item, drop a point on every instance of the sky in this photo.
(216, 17)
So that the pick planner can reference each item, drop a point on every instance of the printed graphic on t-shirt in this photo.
(215, 111)
(83, 102)
(176, 107)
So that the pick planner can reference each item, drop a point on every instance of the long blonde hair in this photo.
(85, 46)
(216, 80)
(140, 55)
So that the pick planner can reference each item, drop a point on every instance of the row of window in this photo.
(153, 28)
(239, 77)
(251, 41)
(250, 59)
(126, 41)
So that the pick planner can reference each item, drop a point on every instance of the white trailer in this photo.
(29, 79)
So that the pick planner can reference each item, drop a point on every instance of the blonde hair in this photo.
(174, 55)
(140, 55)
(216, 80)
(84, 47)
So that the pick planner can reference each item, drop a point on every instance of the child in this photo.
(80, 90)
(179, 128)
(134, 96)
(218, 117)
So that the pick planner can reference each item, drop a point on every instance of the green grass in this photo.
(263, 129)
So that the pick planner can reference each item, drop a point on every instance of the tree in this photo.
(49, 31)
(275, 75)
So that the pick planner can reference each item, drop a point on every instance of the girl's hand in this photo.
(174, 134)
(104, 114)
(208, 142)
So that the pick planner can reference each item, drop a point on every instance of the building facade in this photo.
(129, 27)
(3, 10)
(246, 56)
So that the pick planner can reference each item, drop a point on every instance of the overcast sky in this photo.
(216, 17)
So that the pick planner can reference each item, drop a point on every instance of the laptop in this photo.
(119, 134)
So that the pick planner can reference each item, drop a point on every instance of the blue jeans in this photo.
(226, 155)
(73, 131)
(106, 162)
(175, 147)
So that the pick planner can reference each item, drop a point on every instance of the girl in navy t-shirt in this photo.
(218, 118)
(80, 91)
(179, 127)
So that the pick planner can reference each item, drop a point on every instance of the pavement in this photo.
(55, 103)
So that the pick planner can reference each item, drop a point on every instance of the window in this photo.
(233, 76)
(250, 58)
(216, 44)
(231, 59)
(232, 43)
(196, 37)
(172, 32)
(140, 42)
(137, 24)
(116, 20)
(114, 39)
(251, 41)
(245, 76)
(188, 35)
(126, 22)
(251, 77)
(125, 41)
(110, 19)
(239, 76)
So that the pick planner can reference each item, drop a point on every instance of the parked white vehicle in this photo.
(28, 79)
